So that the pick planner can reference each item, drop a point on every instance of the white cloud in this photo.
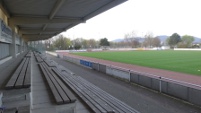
(162, 17)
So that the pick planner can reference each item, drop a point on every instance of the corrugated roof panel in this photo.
(48, 33)
(80, 8)
(61, 25)
(38, 26)
(45, 14)
(30, 7)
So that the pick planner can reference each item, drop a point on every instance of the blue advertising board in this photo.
(86, 63)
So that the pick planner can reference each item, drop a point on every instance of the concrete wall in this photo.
(146, 81)
(155, 84)
(177, 90)
(195, 96)
(67, 58)
(95, 66)
(102, 68)
(123, 74)
(70, 59)
(76, 61)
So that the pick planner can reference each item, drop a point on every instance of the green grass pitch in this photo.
(179, 61)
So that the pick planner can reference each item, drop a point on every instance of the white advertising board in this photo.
(5, 33)
(17, 40)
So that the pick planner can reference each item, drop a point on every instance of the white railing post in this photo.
(129, 73)
(98, 67)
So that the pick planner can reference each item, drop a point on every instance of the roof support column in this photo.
(21, 45)
(31, 44)
(13, 45)
(34, 44)
(26, 46)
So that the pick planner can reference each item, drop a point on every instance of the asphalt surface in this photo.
(141, 99)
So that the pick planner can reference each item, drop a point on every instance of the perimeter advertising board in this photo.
(86, 63)
(17, 40)
(5, 33)
(22, 42)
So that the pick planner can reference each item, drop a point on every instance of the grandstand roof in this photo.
(43, 19)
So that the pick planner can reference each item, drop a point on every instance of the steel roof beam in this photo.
(44, 27)
(59, 3)
(26, 31)
(28, 20)
(37, 36)
(56, 8)
(36, 39)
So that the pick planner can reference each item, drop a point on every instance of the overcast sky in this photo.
(161, 17)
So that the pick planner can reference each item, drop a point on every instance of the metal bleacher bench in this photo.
(38, 57)
(97, 100)
(21, 77)
(62, 94)
(60, 79)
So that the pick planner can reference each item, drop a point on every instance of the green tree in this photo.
(77, 46)
(104, 42)
(174, 39)
(62, 43)
(187, 40)
(77, 43)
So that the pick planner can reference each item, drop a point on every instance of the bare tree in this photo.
(127, 39)
(131, 39)
(92, 43)
(156, 42)
(148, 39)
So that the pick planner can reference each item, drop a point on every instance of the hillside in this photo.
(163, 38)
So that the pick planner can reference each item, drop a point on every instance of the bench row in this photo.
(60, 91)
(98, 100)
(21, 77)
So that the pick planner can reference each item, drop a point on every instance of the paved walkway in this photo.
(139, 98)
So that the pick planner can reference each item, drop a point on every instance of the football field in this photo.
(179, 61)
